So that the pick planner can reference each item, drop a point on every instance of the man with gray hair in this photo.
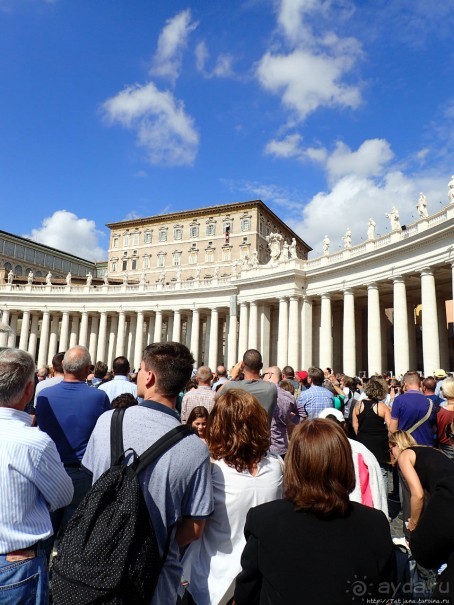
(202, 395)
(286, 414)
(68, 412)
(33, 482)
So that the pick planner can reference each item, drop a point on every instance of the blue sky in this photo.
(331, 112)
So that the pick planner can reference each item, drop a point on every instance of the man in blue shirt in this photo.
(411, 407)
(33, 482)
(316, 398)
(68, 412)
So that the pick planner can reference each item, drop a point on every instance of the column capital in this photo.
(295, 297)
(326, 295)
(282, 298)
(348, 290)
(373, 285)
(426, 271)
(398, 279)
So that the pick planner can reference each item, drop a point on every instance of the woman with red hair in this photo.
(316, 546)
(244, 474)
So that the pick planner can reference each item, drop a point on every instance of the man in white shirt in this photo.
(120, 383)
(33, 483)
(57, 377)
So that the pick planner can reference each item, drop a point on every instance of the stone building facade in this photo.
(382, 305)
(22, 256)
(194, 243)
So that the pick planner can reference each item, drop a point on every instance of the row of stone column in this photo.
(110, 334)
(292, 330)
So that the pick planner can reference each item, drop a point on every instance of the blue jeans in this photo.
(24, 582)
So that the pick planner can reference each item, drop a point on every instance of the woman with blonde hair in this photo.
(429, 472)
(244, 474)
(316, 546)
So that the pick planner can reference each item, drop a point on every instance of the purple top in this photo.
(286, 404)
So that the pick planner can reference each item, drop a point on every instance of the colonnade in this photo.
(349, 329)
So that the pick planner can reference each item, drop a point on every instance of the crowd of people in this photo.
(279, 493)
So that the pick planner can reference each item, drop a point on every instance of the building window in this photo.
(115, 242)
(211, 229)
(113, 266)
(244, 251)
(226, 254)
(161, 260)
(135, 239)
(227, 226)
(134, 264)
(209, 256)
(245, 224)
(162, 235)
(176, 259)
(147, 237)
(178, 233)
(146, 262)
(18, 270)
(126, 241)
(194, 231)
(8, 267)
(193, 258)
(125, 265)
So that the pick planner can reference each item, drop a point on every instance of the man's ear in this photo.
(27, 395)
(151, 379)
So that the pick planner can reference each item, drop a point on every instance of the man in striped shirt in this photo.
(33, 482)
(202, 395)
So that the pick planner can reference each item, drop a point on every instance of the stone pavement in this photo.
(394, 510)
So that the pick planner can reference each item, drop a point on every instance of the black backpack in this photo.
(109, 553)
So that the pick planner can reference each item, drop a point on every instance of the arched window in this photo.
(18, 270)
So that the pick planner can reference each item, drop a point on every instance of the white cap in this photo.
(332, 412)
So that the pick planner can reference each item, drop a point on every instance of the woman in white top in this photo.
(244, 475)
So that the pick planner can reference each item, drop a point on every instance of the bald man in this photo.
(68, 412)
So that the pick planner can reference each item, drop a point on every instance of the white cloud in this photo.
(171, 43)
(160, 122)
(307, 81)
(312, 73)
(290, 18)
(369, 159)
(353, 199)
(290, 147)
(222, 67)
(201, 55)
(130, 216)
(66, 231)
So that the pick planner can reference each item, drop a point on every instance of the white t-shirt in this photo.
(212, 563)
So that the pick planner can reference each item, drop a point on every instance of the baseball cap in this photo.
(332, 412)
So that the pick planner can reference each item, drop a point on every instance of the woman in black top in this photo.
(431, 522)
(370, 420)
(316, 546)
